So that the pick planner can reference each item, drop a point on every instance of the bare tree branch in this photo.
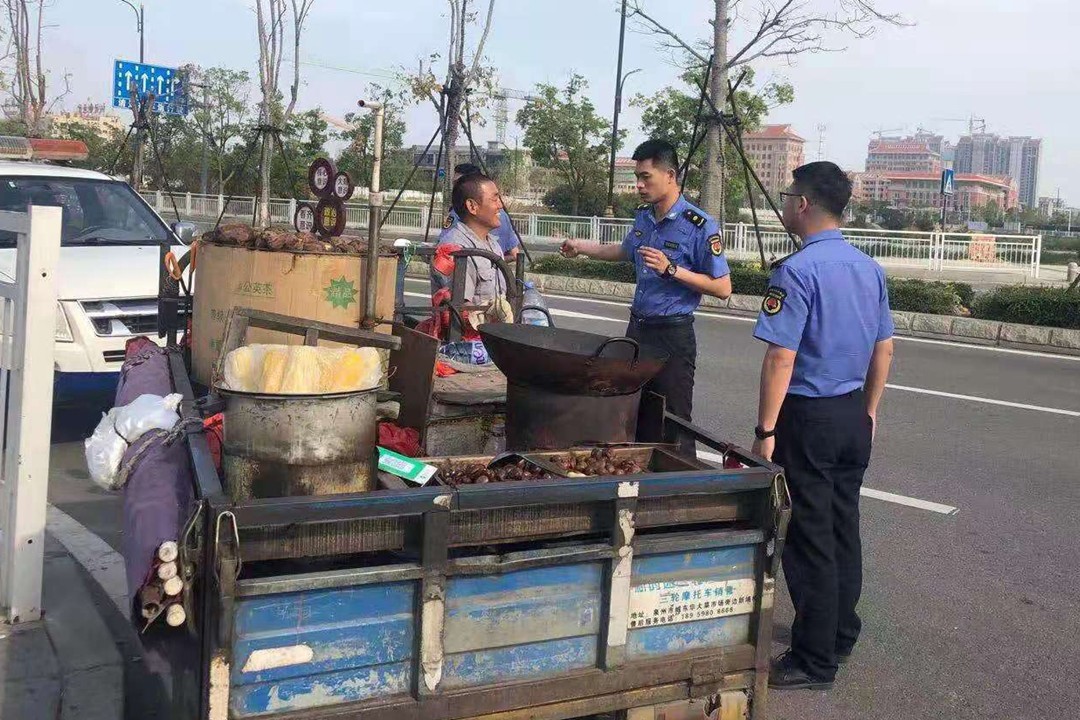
(783, 28)
(637, 11)
(24, 23)
(471, 75)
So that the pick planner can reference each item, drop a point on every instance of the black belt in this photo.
(662, 320)
(791, 397)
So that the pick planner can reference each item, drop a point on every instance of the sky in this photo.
(1011, 63)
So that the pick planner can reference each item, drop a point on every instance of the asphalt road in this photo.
(971, 604)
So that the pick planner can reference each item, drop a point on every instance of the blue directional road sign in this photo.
(947, 182)
(170, 95)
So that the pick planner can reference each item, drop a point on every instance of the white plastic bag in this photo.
(105, 451)
(121, 427)
(146, 413)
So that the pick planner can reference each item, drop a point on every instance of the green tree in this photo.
(671, 114)
(564, 132)
(221, 112)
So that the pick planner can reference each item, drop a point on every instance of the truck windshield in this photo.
(96, 212)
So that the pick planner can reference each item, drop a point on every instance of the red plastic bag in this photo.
(403, 441)
(214, 427)
(443, 260)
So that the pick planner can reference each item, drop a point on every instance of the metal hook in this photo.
(236, 541)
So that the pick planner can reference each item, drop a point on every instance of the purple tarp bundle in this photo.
(157, 498)
(158, 494)
(146, 372)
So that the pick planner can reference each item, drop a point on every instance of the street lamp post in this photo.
(610, 212)
(137, 165)
(615, 119)
(140, 19)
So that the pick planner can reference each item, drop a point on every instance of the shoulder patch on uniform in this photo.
(637, 233)
(448, 222)
(716, 244)
(773, 302)
(695, 217)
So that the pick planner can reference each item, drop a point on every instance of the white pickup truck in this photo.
(107, 281)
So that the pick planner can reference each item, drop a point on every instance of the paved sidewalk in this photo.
(66, 665)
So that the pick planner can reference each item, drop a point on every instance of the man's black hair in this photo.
(824, 184)
(467, 188)
(466, 169)
(661, 152)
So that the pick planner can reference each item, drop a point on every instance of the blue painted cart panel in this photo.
(321, 690)
(339, 646)
(522, 625)
(720, 564)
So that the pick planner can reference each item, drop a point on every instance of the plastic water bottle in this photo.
(535, 299)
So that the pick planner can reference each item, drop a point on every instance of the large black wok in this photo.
(570, 361)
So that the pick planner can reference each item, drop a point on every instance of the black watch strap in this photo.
(762, 434)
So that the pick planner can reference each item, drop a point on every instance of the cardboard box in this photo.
(313, 286)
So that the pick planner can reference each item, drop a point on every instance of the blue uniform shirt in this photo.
(691, 239)
(827, 302)
(504, 233)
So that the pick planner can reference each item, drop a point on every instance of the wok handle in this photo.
(630, 341)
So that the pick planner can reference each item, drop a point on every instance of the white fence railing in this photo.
(936, 252)
(27, 350)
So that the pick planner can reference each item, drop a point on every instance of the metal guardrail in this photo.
(933, 251)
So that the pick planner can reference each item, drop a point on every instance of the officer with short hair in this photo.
(826, 319)
(505, 234)
(678, 254)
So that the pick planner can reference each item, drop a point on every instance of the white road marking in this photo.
(904, 388)
(719, 315)
(871, 493)
(988, 401)
(103, 563)
(909, 501)
(989, 348)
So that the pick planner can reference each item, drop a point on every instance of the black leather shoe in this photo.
(787, 673)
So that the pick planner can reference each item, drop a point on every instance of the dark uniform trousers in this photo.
(674, 336)
(824, 446)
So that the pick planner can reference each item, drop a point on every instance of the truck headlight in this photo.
(63, 327)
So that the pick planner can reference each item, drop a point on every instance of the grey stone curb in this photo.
(923, 325)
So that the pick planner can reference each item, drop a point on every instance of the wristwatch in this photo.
(670, 270)
(762, 434)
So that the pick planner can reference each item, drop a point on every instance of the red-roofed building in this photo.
(914, 190)
(774, 151)
(911, 154)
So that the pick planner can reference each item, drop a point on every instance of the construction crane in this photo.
(972, 121)
(502, 110)
(881, 132)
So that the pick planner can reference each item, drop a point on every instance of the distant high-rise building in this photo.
(918, 154)
(774, 151)
(1015, 157)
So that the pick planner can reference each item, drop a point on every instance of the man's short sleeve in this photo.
(630, 241)
(709, 256)
(448, 225)
(784, 310)
(886, 329)
(508, 239)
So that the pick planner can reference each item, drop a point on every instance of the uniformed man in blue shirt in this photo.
(826, 319)
(678, 253)
(505, 234)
